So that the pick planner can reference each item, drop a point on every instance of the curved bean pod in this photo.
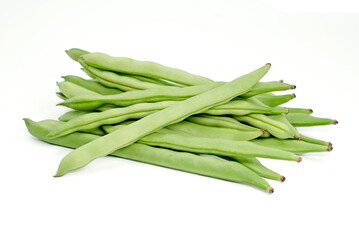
(143, 68)
(315, 141)
(220, 121)
(92, 85)
(188, 162)
(116, 78)
(256, 166)
(294, 146)
(71, 90)
(217, 146)
(75, 53)
(275, 128)
(264, 87)
(306, 120)
(111, 116)
(91, 102)
(151, 123)
(67, 116)
(300, 110)
(272, 100)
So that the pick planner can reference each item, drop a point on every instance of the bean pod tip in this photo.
(299, 159)
(270, 190)
(282, 178)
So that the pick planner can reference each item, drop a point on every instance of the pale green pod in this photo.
(67, 116)
(184, 161)
(92, 85)
(264, 87)
(75, 53)
(272, 100)
(172, 139)
(92, 102)
(275, 128)
(70, 89)
(300, 110)
(292, 145)
(125, 80)
(315, 141)
(143, 68)
(244, 107)
(214, 132)
(306, 120)
(256, 166)
(221, 121)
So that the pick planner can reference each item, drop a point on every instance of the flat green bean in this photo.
(221, 121)
(275, 128)
(188, 162)
(292, 145)
(306, 120)
(300, 110)
(205, 145)
(92, 85)
(255, 165)
(143, 68)
(264, 87)
(91, 102)
(315, 141)
(272, 100)
(151, 123)
(75, 53)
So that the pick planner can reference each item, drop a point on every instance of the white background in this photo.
(119, 199)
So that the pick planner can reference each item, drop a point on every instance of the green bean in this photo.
(209, 132)
(253, 164)
(306, 120)
(315, 141)
(300, 110)
(75, 53)
(250, 162)
(205, 145)
(151, 123)
(115, 85)
(116, 78)
(188, 162)
(91, 102)
(222, 122)
(70, 89)
(111, 116)
(154, 80)
(92, 85)
(214, 132)
(143, 68)
(276, 128)
(67, 116)
(244, 107)
(292, 145)
(264, 87)
(272, 100)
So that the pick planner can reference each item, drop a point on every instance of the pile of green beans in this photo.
(148, 112)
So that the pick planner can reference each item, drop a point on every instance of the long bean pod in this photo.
(184, 161)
